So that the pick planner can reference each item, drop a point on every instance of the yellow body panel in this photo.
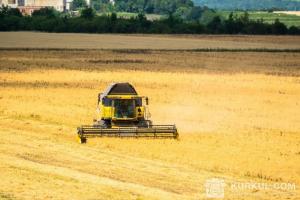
(106, 112)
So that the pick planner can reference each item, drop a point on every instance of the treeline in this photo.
(137, 6)
(250, 4)
(48, 20)
(184, 9)
(180, 8)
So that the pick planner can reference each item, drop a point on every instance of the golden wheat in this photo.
(237, 120)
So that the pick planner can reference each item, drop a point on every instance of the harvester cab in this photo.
(120, 105)
(123, 113)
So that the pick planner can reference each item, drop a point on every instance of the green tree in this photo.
(215, 26)
(245, 18)
(153, 6)
(195, 13)
(293, 30)
(76, 4)
(6, 11)
(100, 5)
(45, 12)
(279, 28)
(87, 13)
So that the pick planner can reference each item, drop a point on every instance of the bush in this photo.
(87, 13)
(45, 12)
(279, 28)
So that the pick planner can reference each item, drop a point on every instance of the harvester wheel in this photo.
(81, 140)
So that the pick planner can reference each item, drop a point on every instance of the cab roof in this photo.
(119, 89)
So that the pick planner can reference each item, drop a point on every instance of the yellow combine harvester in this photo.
(123, 113)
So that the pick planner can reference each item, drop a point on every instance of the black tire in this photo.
(82, 140)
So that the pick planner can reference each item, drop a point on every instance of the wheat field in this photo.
(14, 40)
(237, 114)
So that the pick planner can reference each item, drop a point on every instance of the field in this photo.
(237, 113)
(289, 12)
(29, 40)
(288, 18)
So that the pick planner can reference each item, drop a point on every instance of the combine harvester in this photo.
(124, 114)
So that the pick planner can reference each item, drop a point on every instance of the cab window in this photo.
(138, 102)
(106, 102)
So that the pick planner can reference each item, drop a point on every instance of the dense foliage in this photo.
(49, 20)
(153, 6)
(76, 4)
(147, 6)
(250, 4)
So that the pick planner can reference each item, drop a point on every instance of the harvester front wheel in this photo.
(81, 140)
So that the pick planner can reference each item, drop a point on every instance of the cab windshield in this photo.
(124, 108)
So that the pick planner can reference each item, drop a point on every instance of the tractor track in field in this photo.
(76, 175)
